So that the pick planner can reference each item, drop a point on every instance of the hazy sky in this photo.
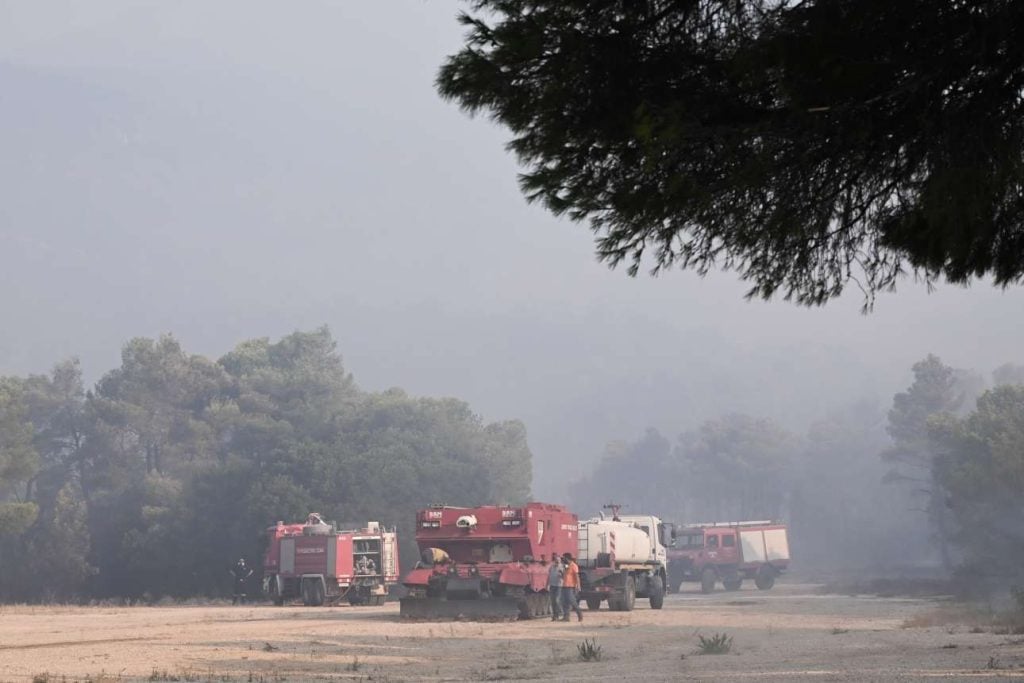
(227, 170)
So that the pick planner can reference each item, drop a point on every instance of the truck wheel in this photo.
(656, 592)
(595, 603)
(629, 594)
(275, 592)
(732, 582)
(765, 579)
(707, 580)
(314, 593)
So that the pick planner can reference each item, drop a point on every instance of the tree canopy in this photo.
(100, 491)
(980, 464)
(805, 144)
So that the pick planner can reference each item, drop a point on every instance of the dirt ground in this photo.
(789, 633)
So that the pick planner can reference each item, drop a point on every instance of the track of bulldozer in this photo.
(506, 608)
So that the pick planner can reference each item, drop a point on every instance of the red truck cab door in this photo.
(711, 550)
(729, 552)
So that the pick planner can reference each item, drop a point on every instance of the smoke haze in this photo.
(228, 170)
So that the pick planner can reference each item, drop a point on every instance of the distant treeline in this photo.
(155, 481)
(936, 478)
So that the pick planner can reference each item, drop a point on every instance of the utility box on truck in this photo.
(622, 559)
(323, 564)
(729, 552)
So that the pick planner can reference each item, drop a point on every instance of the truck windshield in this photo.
(690, 541)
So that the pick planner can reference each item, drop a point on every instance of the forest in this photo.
(929, 483)
(152, 483)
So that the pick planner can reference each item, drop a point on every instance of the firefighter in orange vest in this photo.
(570, 586)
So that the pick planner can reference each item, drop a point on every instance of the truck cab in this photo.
(624, 558)
(659, 534)
(728, 552)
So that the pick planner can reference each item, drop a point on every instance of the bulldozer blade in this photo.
(482, 609)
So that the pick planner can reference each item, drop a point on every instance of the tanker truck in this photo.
(622, 559)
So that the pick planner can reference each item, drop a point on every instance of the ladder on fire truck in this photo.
(702, 525)
(583, 541)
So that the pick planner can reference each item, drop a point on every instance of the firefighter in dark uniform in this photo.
(241, 573)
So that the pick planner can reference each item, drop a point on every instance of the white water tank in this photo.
(621, 542)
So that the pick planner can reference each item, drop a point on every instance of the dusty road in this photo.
(789, 633)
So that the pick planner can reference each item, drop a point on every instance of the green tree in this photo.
(57, 411)
(737, 467)
(50, 560)
(642, 475)
(156, 482)
(980, 464)
(805, 144)
(841, 514)
(155, 402)
(732, 468)
(1008, 373)
(18, 460)
(937, 390)
(404, 453)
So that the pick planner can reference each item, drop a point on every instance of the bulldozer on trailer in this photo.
(486, 563)
(323, 564)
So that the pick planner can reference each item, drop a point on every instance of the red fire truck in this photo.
(323, 564)
(729, 552)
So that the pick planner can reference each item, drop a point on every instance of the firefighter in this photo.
(432, 556)
(366, 566)
(241, 573)
(570, 585)
(555, 572)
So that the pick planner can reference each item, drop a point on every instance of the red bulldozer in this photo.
(486, 563)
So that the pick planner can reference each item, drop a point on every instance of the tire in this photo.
(315, 593)
(275, 592)
(656, 592)
(629, 594)
(594, 603)
(765, 579)
(733, 582)
(707, 580)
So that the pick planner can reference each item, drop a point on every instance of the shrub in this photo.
(589, 650)
(717, 644)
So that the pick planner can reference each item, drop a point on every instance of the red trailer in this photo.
(323, 564)
(486, 562)
(730, 552)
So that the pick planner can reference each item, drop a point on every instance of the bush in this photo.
(589, 650)
(718, 644)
